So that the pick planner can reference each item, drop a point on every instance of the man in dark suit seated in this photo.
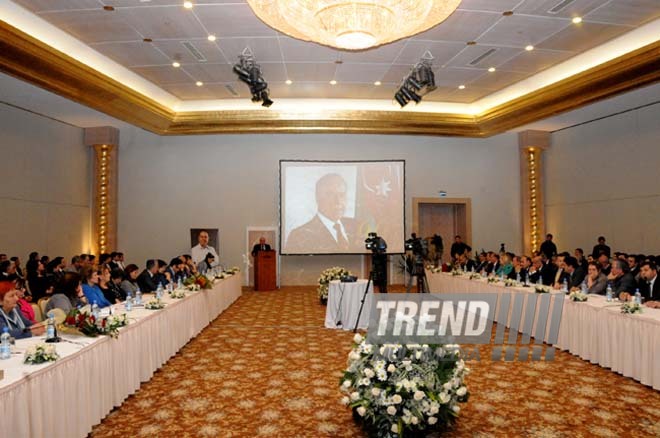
(147, 279)
(622, 281)
(261, 246)
(573, 273)
(545, 271)
(328, 231)
(649, 284)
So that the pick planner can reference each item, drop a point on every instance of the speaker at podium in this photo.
(265, 270)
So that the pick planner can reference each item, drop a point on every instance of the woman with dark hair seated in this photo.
(68, 294)
(596, 280)
(37, 281)
(91, 287)
(114, 293)
(206, 264)
(26, 308)
(129, 285)
(12, 317)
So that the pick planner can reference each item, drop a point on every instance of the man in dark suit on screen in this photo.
(261, 246)
(328, 231)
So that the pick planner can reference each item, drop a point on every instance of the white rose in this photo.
(346, 384)
(432, 420)
(361, 411)
(414, 420)
(355, 395)
(395, 428)
(448, 385)
(418, 395)
(461, 391)
(444, 398)
(391, 368)
(369, 372)
(345, 401)
(391, 410)
(396, 399)
(354, 355)
(357, 338)
(456, 409)
(375, 392)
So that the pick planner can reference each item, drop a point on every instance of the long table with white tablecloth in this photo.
(344, 300)
(68, 397)
(594, 330)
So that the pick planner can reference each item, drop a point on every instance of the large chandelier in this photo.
(352, 25)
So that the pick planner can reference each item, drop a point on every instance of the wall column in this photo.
(532, 144)
(105, 143)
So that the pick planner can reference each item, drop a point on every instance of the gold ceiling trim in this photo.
(35, 62)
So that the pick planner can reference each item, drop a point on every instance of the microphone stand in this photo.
(364, 297)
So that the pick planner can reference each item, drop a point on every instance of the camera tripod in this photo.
(417, 270)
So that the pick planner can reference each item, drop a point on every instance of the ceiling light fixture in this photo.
(461, 87)
(492, 69)
(176, 64)
(249, 72)
(199, 83)
(333, 82)
(577, 20)
(377, 83)
(288, 82)
(188, 5)
(529, 48)
(352, 24)
(419, 82)
(211, 38)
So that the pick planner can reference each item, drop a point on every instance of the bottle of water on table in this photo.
(129, 302)
(584, 288)
(638, 297)
(609, 294)
(5, 346)
(95, 310)
(50, 328)
(138, 297)
(159, 291)
(564, 286)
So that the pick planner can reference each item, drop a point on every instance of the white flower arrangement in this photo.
(334, 273)
(493, 279)
(113, 322)
(436, 270)
(154, 304)
(457, 272)
(193, 287)
(396, 390)
(41, 353)
(578, 296)
(509, 282)
(541, 289)
(177, 294)
(475, 276)
(233, 270)
(631, 308)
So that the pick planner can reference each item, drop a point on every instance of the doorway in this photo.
(444, 216)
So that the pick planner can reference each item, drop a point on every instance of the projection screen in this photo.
(329, 207)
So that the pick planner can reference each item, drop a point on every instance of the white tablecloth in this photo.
(595, 330)
(68, 397)
(344, 304)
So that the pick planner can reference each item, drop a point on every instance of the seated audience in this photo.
(507, 265)
(574, 274)
(621, 279)
(104, 283)
(129, 285)
(605, 266)
(23, 303)
(91, 288)
(161, 278)
(596, 280)
(76, 264)
(68, 294)
(147, 279)
(115, 294)
(206, 264)
(649, 286)
(483, 262)
(175, 271)
(543, 271)
(579, 256)
(38, 282)
(12, 317)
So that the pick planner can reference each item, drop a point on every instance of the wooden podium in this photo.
(265, 270)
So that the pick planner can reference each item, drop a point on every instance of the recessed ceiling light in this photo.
(176, 64)
(188, 5)
(211, 37)
(199, 83)
(507, 13)
(108, 8)
(288, 82)
(377, 83)
(471, 43)
(461, 87)
(147, 40)
(577, 20)
(333, 82)
(492, 69)
(529, 48)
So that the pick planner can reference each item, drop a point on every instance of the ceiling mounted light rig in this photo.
(419, 82)
(352, 24)
(248, 71)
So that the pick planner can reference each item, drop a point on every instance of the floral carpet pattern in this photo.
(268, 368)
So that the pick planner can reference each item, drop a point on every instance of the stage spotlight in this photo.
(419, 82)
(249, 72)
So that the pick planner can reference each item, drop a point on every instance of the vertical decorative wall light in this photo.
(104, 141)
(532, 144)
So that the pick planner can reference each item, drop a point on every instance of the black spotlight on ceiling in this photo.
(248, 71)
(419, 82)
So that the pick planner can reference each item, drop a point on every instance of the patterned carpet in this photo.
(267, 367)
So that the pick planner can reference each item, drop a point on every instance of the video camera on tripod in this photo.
(375, 244)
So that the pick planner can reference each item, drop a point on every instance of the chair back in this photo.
(42, 305)
(38, 314)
